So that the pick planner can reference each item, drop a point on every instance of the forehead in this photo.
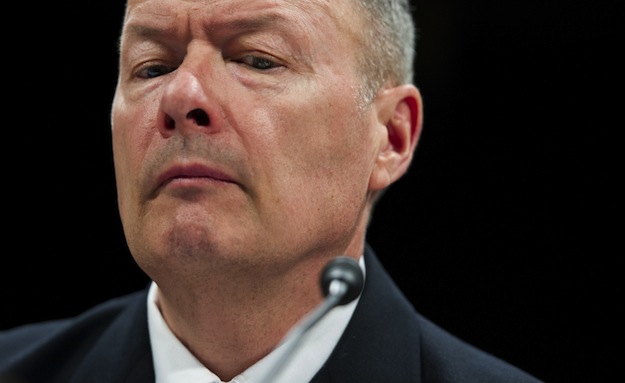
(333, 24)
(341, 13)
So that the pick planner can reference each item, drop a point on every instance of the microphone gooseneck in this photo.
(341, 282)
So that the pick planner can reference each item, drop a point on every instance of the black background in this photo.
(505, 231)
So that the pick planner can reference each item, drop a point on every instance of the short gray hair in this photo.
(389, 45)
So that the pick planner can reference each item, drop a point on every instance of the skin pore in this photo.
(245, 161)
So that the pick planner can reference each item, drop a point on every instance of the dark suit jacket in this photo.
(385, 341)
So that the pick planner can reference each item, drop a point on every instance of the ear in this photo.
(400, 117)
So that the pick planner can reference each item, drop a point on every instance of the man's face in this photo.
(236, 130)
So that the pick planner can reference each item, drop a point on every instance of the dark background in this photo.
(504, 232)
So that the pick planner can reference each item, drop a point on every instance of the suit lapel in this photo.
(381, 342)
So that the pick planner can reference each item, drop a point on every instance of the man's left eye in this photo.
(260, 63)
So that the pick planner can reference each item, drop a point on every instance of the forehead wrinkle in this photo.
(145, 22)
(252, 19)
(244, 15)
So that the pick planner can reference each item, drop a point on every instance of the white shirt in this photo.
(174, 363)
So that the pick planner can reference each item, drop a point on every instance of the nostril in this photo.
(199, 116)
(170, 123)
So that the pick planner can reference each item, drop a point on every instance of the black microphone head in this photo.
(347, 270)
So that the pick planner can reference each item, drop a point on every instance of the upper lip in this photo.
(192, 170)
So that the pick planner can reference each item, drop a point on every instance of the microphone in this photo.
(342, 279)
(341, 282)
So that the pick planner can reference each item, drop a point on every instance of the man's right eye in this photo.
(152, 71)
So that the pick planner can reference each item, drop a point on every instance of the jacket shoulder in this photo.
(446, 358)
(52, 348)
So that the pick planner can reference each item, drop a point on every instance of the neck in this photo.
(231, 321)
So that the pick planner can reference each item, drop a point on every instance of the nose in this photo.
(185, 105)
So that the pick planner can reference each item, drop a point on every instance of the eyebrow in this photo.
(242, 24)
(255, 22)
(148, 32)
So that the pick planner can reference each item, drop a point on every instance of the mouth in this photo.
(192, 175)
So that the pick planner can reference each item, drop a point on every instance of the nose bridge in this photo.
(186, 101)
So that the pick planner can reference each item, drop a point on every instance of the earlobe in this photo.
(400, 112)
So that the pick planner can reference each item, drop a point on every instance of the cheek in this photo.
(330, 136)
(132, 133)
(320, 144)
(133, 130)
(121, 160)
(122, 144)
